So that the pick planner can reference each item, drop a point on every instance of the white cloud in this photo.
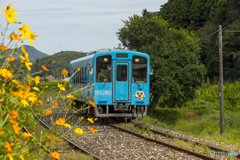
(75, 24)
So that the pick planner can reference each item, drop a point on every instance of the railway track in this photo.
(184, 139)
(69, 141)
(105, 146)
(163, 143)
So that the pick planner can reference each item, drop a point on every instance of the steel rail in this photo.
(75, 145)
(198, 143)
(163, 143)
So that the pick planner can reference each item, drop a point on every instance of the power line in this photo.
(230, 31)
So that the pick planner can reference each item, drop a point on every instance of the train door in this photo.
(121, 81)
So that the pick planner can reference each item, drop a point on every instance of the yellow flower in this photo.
(25, 59)
(2, 91)
(10, 156)
(90, 120)
(26, 135)
(70, 96)
(81, 118)
(24, 31)
(15, 37)
(32, 37)
(14, 114)
(1, 133)
(64, 72)
(55, 155)
(78, 131)
(61, 87)
(36, 80)
(16, 128)
(24, 103)
(91, 129)
(5, 73)
(32, 97)
(55, 104)
(4, 47)
(8, 146)
(10, 58)
(60, 121)
(79, 69)
(45, 68)
(10, 14)
(67, 125)
(92, 103)
(40, 102)
(36, 88)
(50, 138)
(48, 112)
(22, 158)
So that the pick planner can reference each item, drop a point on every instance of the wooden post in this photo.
(221, 82)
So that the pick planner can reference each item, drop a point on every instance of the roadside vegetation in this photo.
(201, 116)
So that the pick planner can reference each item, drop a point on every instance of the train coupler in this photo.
(142, 109)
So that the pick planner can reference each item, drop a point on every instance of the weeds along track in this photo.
(169, 136)
(75, 145)
(184, 139)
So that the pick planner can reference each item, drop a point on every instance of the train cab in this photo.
(117, 81)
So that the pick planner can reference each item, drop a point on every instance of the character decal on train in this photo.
(139, 94)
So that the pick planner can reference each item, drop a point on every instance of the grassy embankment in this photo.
(201, 117)
(52, 89)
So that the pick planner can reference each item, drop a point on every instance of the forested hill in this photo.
(62, 61)
(203, 17)
(32, 52)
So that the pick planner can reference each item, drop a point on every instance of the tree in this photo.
(166, 10)
(180, 12)
(177, 73)
(197, 15)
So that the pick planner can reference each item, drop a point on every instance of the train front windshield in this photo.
(104, 69)
(139, 69)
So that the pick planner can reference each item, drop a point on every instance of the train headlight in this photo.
(105, 59)
(136, 60)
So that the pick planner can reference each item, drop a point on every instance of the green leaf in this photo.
(2, 57)
(50, 98)
(62, 97)
(13, 100)
(1, 123)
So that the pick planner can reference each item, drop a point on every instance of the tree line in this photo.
(181, 62)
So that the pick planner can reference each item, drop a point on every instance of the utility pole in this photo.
(221, 82)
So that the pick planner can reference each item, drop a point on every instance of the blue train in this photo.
(121, 83)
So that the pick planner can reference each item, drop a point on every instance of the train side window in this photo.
(139, 69)
(80, 72)
(85, 75)
(74, 79)
(104, 69)
(78, 77)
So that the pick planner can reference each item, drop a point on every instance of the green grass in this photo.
(201, 116)
(52, 85)
(206, 126)
(52, 89)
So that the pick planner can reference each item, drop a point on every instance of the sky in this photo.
(74, 25)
